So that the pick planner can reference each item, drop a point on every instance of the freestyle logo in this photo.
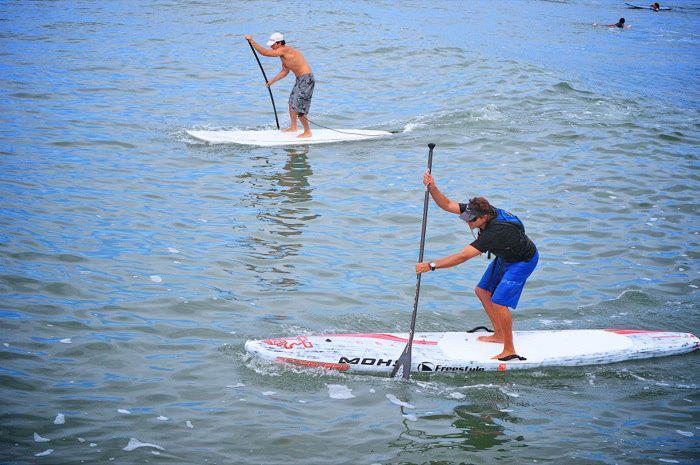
(424, 366)
(428, 366)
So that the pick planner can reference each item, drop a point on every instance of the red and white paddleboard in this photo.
(462, 352)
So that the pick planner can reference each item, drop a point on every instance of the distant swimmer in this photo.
(655, 6)
(292, 60)
(620, 24)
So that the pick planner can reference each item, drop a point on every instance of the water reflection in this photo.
(472, 427)
(280, 198)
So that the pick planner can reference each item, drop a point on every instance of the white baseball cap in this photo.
(275, 37)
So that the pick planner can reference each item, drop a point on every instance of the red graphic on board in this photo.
(386, 337)
(290, 342)
(314, 364)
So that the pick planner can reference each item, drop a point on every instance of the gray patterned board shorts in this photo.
(303, 90)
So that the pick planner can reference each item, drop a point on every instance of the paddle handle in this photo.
(431, 146)
(272, 99)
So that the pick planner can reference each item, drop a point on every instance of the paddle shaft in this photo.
(405, 358)
(268, 87)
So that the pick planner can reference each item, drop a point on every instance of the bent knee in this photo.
(481, 292)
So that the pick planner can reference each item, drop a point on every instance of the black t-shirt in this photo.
(504, 240)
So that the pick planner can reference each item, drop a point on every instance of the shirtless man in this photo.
(292, 60)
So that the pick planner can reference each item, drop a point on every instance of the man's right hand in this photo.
(428, 179)
(248, 37)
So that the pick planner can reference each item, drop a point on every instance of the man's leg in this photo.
(305, 122)
(292, 121)
(485, 298)
(505, 323)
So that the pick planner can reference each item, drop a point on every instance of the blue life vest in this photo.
(506, 217)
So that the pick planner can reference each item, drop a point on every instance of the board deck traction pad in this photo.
(462, 352)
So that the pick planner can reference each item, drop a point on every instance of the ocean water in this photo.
(135, 262)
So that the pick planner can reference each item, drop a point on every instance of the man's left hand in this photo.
(248, 38)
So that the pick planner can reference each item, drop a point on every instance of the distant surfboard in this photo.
(463, 352)
(637, 7)
(271, 137)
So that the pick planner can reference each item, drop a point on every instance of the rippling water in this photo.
(135, 262)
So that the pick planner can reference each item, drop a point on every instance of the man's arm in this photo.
(279, 76)
(451, 260)
(439, 198)
(262, 50)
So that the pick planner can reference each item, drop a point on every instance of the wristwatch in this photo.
(433, 265)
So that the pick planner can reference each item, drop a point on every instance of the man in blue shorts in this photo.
(503, 235)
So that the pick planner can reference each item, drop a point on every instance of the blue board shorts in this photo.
(507, 281)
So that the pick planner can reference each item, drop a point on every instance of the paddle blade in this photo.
(402, 367)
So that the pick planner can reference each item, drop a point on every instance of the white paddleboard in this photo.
(272, 137)
(462, 352)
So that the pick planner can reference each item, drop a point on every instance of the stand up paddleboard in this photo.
(462, 352)
(271, 138)
(637, 7)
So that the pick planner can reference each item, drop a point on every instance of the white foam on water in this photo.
(38, 438)
(372, 391)
(668, 461)
(457, 395)
(135, 444)
(65, 341)
(269, 393)
(395, 400)
(500, 388)
(235, 385)
(506, 410)
(81, 440)
(162, 418)
(156, 279)
(338, 391)
(93, 444)
(124, 411)
(410, 417)
(687, 434)
(188, 423)
(411, 126)
(59, 420)
(173, 250)
(45, 453)
(571, 263)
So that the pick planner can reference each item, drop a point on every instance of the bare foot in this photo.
(289, 130)
(304, 134)
(502, 354)
(491, 338)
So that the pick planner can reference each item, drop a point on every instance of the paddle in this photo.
(268, 88)
(402, 368)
